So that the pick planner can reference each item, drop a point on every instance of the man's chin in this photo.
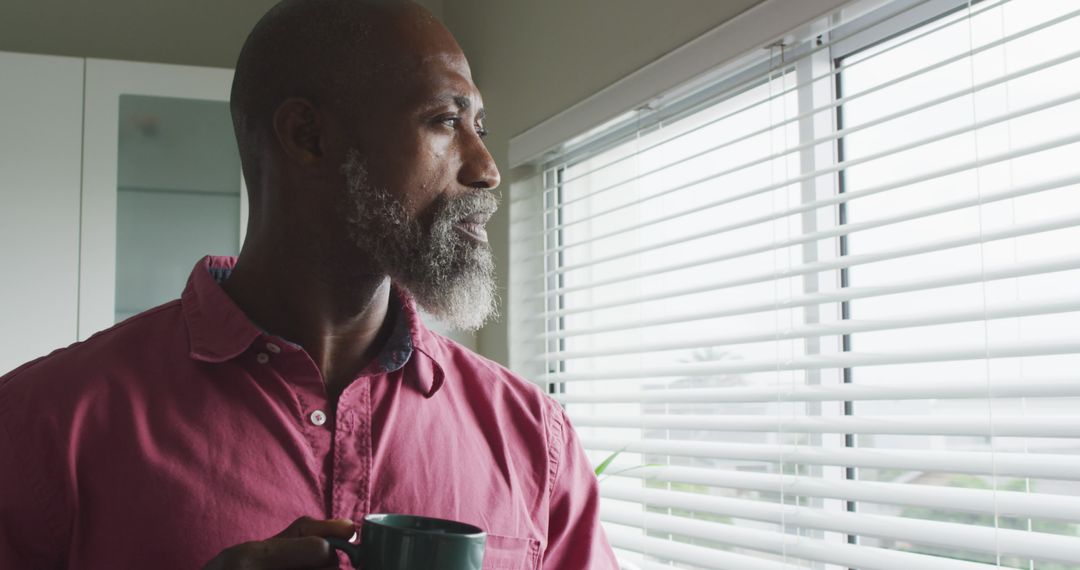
(466, 305)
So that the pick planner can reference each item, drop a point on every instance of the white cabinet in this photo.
(115, 178)
(161, 184)
(41, 108)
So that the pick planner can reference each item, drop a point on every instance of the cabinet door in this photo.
(40, 161)
(161, 185)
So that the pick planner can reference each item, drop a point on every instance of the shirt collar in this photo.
(219, 331)
(424, 341)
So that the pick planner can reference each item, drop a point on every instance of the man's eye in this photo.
(454, 122)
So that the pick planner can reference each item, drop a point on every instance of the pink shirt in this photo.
(186, 429)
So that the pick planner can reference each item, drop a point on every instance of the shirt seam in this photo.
(12, 375)
(556, 441)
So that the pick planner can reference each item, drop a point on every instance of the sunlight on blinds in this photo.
(829, 316)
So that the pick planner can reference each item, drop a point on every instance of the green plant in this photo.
(607, 462)
(603, 466)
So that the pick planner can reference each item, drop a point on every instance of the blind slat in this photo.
(810, 237)
(987, 273)
(929, 424)
(916, 389)
(1003, 311)
(990, 502)
(818, 362)
(843, 262)
(798, 547)
(1028, 544)
(689, 553)
(1034, 465)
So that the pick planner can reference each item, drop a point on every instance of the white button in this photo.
(318, 417)
(262, 358)
(273, 347)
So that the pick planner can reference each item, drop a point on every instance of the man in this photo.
(295, 387)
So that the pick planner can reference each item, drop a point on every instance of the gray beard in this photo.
(450, 276)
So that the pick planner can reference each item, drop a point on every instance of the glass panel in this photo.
(178, 195)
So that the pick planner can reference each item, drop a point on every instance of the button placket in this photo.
(362, 435)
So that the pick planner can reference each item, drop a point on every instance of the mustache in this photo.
(482, 203)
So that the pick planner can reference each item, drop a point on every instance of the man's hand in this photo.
(299, 546)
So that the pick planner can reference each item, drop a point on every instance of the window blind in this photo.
(824, 304)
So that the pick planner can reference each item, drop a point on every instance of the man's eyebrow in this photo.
(463, 103)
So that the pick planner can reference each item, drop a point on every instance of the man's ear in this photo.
(298, 127)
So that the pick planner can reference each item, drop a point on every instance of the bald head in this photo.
(361, 136)
(330, 52)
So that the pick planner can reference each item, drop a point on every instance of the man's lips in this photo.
(473, 226)
(475, 231)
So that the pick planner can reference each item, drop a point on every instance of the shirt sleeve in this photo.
(31, 536)
(575, 538)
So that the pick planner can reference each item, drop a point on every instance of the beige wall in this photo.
(534, 58)
(189, 32)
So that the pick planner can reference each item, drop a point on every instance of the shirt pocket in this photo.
(510, 553)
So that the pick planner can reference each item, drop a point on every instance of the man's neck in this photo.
(338, 316)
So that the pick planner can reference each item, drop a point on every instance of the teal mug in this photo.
(408, 542)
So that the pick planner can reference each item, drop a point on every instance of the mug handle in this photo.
(351, 550)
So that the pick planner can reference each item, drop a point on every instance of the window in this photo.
(826, 304)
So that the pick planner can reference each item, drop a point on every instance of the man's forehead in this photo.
(446, 79)
(416, 61)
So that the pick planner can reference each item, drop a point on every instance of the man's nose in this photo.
(478, 169)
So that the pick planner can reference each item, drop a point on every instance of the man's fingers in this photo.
(301, 545)
(284, 553)
(307, 526)
(302, 552)
(275, 554)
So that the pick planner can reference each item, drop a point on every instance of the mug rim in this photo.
(377, 519)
